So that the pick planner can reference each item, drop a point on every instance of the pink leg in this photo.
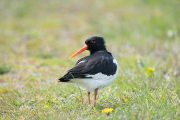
(89, 98)
(95, 94)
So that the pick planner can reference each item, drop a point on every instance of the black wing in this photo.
(91, 66)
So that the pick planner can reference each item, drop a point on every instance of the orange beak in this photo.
(80, 51)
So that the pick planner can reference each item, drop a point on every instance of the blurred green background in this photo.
(38, 36)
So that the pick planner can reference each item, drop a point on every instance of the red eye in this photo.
(91, 41)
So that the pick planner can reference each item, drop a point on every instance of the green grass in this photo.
(4, 69)
(38, 37)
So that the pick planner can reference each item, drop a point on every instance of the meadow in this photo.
(38, 37)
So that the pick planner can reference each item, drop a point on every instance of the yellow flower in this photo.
(151, 69)
(107, 110)
(124, 100)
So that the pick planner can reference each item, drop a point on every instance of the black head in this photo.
(95, 44)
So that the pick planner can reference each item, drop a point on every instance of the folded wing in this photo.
(90, 66)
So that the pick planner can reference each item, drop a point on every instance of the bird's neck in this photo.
(96, 50)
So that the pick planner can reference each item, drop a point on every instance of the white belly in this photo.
(97, 81)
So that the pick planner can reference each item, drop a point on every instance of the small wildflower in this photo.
(107, 110)
(151, 69)
(126, 100)
(170, 33)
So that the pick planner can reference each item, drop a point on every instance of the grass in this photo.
(38, 37)
(4, 69)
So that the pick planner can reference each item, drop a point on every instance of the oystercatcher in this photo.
(95, 71)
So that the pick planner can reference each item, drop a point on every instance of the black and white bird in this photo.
(95, 71)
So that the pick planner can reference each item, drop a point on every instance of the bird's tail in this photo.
(64, 79)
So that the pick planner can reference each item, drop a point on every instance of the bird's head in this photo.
(93, 44)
